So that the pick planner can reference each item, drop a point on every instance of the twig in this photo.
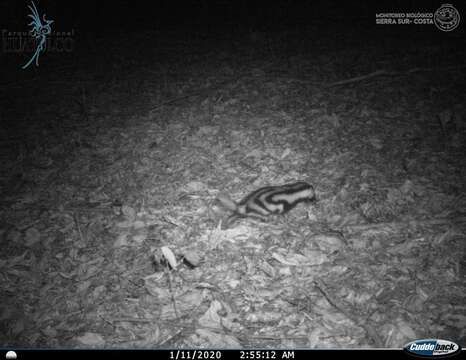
(171, 337)
(200, 92)
(81, 236)
(194, 93)
(392, 73)
(163, 103)
(357, 78)
(167, 271)
(438, 221)
(371, 332)
(77, 208)
(138, 320)
(271, 337)
(108, 322)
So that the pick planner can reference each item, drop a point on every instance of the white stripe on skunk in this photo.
(268, 200)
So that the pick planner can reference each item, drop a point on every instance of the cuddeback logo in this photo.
(432, 348)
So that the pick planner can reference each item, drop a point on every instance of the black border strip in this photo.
(214, 354)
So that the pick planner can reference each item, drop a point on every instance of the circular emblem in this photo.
(447, 18)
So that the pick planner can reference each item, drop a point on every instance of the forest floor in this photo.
(111, 167)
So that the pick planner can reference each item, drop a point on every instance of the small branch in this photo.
(81, 236)
(411, 222)
(371, 332)
(167, 271)
(357, 78)
(392, 73)
(194, 93)
(136, 320)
